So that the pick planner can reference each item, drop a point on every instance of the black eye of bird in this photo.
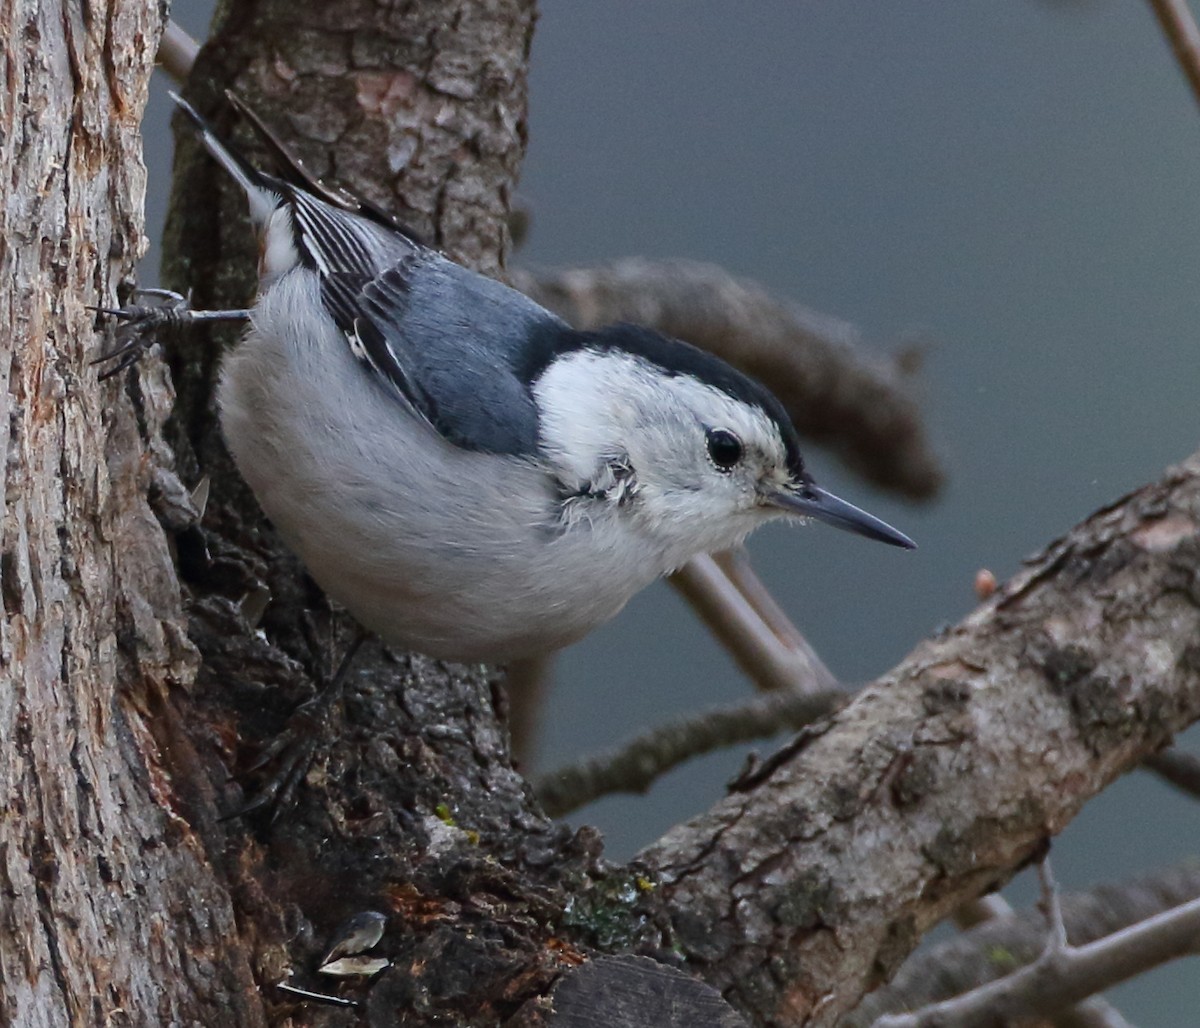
(724, 448)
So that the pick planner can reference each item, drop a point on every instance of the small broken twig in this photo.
(1181, 769)
(1178, 25)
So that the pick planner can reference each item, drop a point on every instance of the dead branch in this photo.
(1065, 974)
(999, 946)
(1178, 25)
(858, 405)
(1095, 1012)
(731, 600)
(1181, 769)
(635, 766)
(177, 52)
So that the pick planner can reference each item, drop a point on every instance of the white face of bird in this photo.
(685, 461)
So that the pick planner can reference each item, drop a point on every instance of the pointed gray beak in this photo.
(814, 502)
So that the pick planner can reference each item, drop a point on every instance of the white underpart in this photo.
(279, 254)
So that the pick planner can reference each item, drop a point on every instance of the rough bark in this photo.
(107, 904)
(809, 883)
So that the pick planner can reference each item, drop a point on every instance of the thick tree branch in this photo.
(858, 405)
(806, 888)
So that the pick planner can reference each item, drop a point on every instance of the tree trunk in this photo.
(110, 905)
(151, 649)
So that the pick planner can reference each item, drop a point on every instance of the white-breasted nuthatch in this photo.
(467, 474)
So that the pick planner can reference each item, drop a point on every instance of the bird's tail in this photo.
(263, 200)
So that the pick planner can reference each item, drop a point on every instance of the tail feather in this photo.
(287, 165)
(263, 200)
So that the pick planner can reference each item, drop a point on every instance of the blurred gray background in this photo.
(1014, 185)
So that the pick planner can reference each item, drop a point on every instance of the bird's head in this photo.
(695, 453)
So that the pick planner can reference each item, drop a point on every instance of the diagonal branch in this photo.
(733, 603)
(1095, 1012)
(1178, 25)
(809, 885)
(1181, 769)
(635, 766)
(835, 393)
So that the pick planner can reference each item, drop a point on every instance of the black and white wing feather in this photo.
(450, 343)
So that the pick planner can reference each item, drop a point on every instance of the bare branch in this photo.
(1181, 769)
(858, 405)
(733, 602)
(1066, 974)
(635, 766)
(1091, 1013)
(1178, 25)
(737, 608)
(994, 949)
(1051, 907)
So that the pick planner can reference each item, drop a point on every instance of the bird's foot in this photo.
(291, 752)
(141, 325)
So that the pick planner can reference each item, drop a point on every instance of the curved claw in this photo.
(294, 748)
(142, 325)
(296, 745)
(140, 328)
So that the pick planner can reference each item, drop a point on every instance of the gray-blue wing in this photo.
(454, 343)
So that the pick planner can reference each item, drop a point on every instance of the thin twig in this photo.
(1063, 976)
(635, 766)
(746, 621)
(1051, 903)
(1181, 769)
(990, 951)
(1096, 1012)
(1178, 25)
(738, 569)
(177, 52)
